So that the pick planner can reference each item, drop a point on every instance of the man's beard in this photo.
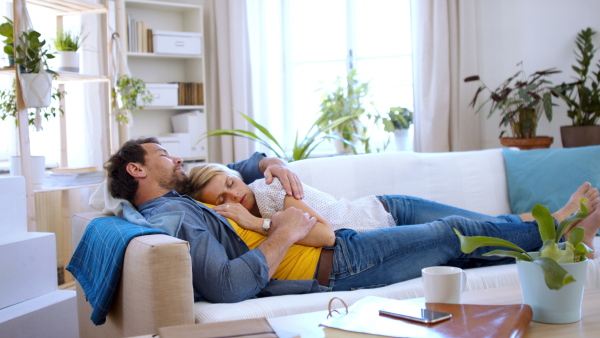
(177, 181)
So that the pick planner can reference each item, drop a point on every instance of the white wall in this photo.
(541, 33)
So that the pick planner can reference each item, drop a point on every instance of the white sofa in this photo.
(156, 292)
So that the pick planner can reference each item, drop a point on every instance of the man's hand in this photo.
(274, 167)
(293, 222)
(288, 227)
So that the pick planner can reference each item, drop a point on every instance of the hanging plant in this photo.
(8, 105)
(130, 93)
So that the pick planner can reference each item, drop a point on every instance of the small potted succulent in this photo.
(562, 267)
(521, 101)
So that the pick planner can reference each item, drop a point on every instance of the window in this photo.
(323, 40)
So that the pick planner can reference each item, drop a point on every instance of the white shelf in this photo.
(163, 56)
(173, 108)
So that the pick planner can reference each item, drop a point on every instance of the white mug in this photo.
(443, 284)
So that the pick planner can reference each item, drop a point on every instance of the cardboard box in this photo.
(184, 43)
(165, 94)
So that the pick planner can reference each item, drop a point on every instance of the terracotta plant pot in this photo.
(579, 136)
(527, 143)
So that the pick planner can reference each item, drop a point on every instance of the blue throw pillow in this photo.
(549, 176)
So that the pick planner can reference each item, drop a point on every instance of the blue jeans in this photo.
(408, 210)
(395, 254)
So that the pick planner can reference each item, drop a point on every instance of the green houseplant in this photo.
(129, 93)
(31, 56)
(549, 265)
(397, 121)
(67, 44)
(8, 105)
(521, 101)
(6, 30)
(582, 96)
(346, 100)
(302, 147)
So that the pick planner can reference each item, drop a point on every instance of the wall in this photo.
(541, 33)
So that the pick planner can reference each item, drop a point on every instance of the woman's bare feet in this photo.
(584, 191)
(591, 224)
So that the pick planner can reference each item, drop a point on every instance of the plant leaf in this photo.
(545, 222)
(469, 244)
(507, 253)
(555, 275)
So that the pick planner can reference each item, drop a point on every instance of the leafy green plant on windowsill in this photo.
(398, 118)
(551, 253)
(346, 100)
(127, 96)
(302, 147)
(8, 105)
(32, 54)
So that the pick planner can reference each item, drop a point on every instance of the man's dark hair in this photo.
(120, 183)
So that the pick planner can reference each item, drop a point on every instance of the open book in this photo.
(467, 320)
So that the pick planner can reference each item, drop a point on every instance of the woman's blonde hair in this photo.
(201, 175)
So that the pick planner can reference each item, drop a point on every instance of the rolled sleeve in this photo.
(224, 269)
(249, 168)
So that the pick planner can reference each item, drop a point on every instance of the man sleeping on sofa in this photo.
(226, 270)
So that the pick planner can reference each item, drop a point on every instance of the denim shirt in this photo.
(224, 269)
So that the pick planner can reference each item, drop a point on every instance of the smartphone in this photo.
(416, 314)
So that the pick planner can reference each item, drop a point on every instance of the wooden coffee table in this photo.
(307, 324)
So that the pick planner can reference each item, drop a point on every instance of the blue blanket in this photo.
(97, 262)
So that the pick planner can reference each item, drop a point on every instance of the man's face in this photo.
(165, 170)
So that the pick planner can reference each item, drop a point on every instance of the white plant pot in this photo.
(340, 149)
(404, 139)
(38, 167)
(67, 61)
(552, 306)
(36, 89)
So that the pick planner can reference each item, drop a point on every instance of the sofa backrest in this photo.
(473, 180)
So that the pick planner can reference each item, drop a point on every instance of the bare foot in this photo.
(591, 224)
(584, 191)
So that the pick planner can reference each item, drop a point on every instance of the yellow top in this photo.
(300, 262)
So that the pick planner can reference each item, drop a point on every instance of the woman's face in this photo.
(223, 189)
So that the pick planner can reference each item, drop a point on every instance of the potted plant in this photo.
(130, 93)
(398, 120)
(562, 267)
(520, 100)
(6, 30)
(31, 55)
(302, 147)
(67, 43)
(346, 100)
(582, 96)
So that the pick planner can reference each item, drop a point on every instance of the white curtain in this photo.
(444, 54)
(228, 77)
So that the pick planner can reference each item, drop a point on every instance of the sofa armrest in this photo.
(155, 290)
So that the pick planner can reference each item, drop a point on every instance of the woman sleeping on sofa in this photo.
(250, 205)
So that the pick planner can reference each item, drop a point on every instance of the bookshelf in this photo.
(154, 66)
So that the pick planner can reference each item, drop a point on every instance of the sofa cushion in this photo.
(549, 176)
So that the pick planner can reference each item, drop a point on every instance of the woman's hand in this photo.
(241, 216)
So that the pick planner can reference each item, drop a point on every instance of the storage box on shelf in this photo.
(173, 57)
